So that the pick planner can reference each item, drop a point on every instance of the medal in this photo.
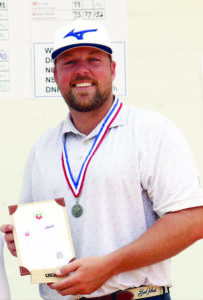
(76, 186)
(77, 210)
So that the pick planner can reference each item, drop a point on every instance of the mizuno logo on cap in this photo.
(79, 34)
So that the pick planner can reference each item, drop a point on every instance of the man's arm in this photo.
(167, 237)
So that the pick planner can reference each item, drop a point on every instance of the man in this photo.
(128, 178)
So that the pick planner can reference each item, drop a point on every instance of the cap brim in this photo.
(59, 51)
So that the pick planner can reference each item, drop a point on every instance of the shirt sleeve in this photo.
(26, 191)
(169, 174)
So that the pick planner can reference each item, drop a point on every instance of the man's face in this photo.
(84, 76)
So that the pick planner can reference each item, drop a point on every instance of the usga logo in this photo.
(50, 275)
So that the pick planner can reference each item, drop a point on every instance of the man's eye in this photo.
(94, 59)
(69, 62)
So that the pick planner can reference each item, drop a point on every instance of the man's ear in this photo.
(55, 74)
(113, 69)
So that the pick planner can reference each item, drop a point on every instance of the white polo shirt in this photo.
(142, 170)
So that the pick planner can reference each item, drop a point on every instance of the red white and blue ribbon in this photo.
(76, 186)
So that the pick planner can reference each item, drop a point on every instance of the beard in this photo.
(94, 102)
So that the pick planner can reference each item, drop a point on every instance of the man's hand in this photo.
(8, 236)
(172, 233)
(83, 276)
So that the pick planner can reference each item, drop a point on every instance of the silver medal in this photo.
(77, 210)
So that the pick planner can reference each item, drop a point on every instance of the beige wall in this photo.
(164, 55)
(165, 49)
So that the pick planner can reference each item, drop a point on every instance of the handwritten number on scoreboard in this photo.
(2, 4)
(98, 14)
(76, 4)
(87, 14)
(77, 14)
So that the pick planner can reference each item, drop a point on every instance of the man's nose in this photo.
(82, 68)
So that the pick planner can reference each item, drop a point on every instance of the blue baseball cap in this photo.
(80, 34)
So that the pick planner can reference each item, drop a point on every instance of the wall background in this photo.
(164, 70)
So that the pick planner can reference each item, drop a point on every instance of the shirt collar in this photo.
(68, 126)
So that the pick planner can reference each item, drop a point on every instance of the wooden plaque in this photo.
(42, 238)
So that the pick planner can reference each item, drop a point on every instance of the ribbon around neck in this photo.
(76, 186)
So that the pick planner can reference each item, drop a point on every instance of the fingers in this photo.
(66, 286)
(8, 233)
(12, 248)
(81, 277)
(64, 292)
(9, 238)
(65, 270)
(69, 291)
(60, 285)
(6, 228)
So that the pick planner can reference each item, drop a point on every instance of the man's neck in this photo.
(85, 122)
